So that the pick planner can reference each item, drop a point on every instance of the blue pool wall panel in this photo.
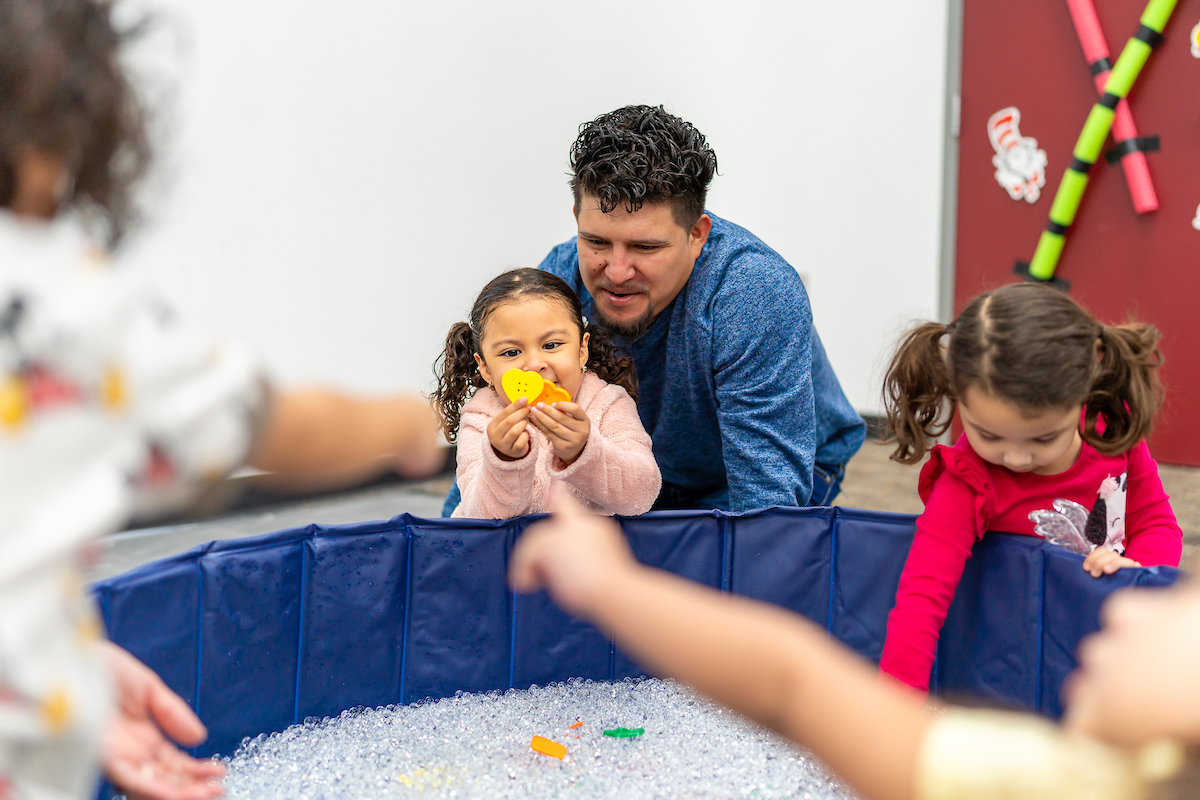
(261, 633)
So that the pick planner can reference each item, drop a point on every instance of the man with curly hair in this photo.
(736, 391)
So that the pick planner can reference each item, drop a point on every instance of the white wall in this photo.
(340, 179)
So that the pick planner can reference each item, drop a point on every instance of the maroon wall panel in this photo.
(1024, 53)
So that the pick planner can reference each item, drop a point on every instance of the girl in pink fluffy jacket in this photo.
(514, 457)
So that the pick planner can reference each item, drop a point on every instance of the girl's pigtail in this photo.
(608, 363)
(457, 378)
(1127, 392)
(915, 391)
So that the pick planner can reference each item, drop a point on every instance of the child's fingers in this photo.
(573, 554)
(569, 409)
(557, 421)
(517, 410)
(540, 424)
(512, 414)
(547, 423)
(516, 420)
(1119, 563)
(512, 438)
(527, 570)
(505, 421)
(557, 434)
(1103, 561)
(1094, 563)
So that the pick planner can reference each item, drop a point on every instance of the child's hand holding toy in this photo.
(549, 407)
(508, 431)
(566, 425)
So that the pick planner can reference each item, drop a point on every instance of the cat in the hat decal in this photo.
(1081, 531)
(1020, 164)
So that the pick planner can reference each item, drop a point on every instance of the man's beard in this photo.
(630, 331)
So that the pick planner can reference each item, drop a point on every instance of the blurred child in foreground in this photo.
(108, 409)
(1134, 702)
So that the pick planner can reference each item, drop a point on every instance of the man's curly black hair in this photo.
(642, 154)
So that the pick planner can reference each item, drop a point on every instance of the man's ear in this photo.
(483, 370)
(698, 235)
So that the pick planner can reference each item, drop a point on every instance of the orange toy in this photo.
(520, 383)
(547, 747)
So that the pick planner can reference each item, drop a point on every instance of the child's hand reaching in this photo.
(1103, 561)
(508, 431)
(577, 557)
(566, 425)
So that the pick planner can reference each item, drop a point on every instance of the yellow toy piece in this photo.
(554, 394)
(518, 383)
(422, 779)
(547, 747)
(56, 711)
(112, 388)
(14, 402)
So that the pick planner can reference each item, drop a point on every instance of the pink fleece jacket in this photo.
(966, 496)
(615, 474)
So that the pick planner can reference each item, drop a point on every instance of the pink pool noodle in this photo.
(1137, 172)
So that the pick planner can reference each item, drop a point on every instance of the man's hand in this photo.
(137, 756)
(1103, 561)
(577, 557)
(508, 431)
(566, 425)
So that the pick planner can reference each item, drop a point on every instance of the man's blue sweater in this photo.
(735, 388)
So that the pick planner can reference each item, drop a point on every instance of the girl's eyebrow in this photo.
(546, 335)
(986, 432)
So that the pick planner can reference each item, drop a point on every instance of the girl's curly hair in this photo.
(457, 373)
(63, 92)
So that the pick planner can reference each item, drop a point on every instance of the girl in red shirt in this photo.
(1054, 408)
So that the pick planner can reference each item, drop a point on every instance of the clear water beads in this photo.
(478, 746)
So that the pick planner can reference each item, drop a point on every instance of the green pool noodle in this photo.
(1157, 13)
(1068, 197)
(1095, 131)
(1091, 140)
(1049, 249)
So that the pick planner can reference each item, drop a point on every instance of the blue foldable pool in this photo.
(258, 634)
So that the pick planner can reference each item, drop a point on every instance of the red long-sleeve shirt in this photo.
(966, 496)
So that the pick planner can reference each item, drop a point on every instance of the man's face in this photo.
(634, 264)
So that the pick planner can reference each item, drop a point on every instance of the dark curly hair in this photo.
(457, 373)
(63, 92)
(1033, 346)
(642, 154)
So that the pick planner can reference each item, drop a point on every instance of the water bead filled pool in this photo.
(478, 745)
